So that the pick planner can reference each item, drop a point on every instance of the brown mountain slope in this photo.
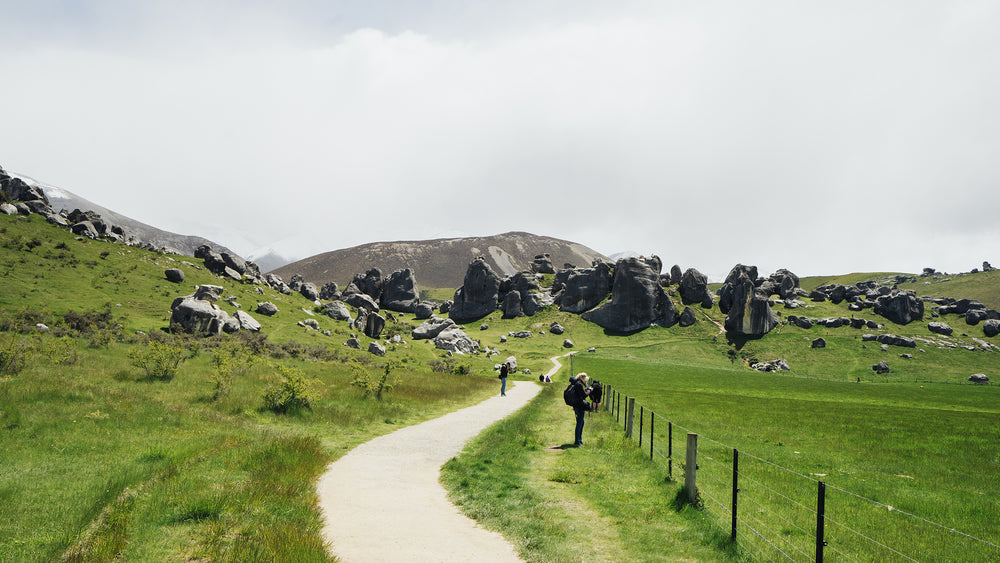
(441, 262)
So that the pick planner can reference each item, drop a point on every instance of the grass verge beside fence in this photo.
(601, 502)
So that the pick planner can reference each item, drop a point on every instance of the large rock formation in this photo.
(400, 293)
(582, 289)
(370, 283)
(478, 295)
(694, 288)
(197, 313)
(637, 300)
(748, 313)
(901, 308)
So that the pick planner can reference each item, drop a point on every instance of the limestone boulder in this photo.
(329, 292)
(583, 289)
(901, 308)
(478, 295)
(423, 311)
(246, 321)
(400, 292)
(370, 283)
(337, 310)
(267, 309)
(174, 275)
(635, 296)
(694, 288)
(361, 301)
(940, 328)
(747, 312)
(309, 291)
(374, 325)
(198, 314)
(991, 327)
(455, 340)
(432, 327)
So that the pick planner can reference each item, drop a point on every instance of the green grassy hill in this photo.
(104, 460)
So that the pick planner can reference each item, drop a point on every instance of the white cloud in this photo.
(824, 139)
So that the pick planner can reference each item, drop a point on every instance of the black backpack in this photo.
(572, 396)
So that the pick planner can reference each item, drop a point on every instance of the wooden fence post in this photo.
(642, 413)
(820, 521)
(670, 450)
(690, 467)
(629, 416)
(736, 487)
(652, 428)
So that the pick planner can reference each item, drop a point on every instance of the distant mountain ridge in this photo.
(440, 263)
(61, 198)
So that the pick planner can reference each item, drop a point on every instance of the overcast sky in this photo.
(822, 137)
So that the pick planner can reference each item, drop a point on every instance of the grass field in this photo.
(102, 460)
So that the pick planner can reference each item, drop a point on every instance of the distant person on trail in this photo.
(576, 396)
(504, 370)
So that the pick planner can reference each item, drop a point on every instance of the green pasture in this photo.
(102, 460)
(913, 447)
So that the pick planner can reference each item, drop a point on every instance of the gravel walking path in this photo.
(383, 502)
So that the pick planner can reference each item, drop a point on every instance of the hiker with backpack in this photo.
(504, 371)
(575, 396)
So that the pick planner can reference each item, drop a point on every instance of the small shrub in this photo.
(14, 357)
(230, 359)
(374, 385)
(159, 360)
(292, 394)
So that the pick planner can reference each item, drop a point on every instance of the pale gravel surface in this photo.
(383, 502)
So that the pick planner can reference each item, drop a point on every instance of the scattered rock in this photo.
(773, 365)
(979, 378)
(687, 317)
(991, 327)
(881, 367)
(423, 311)
(374, 324)
(362, 301)
(376, 348)
(520, 334)
(174, 275)
(940, 328)
(567, 343)
(353, 343)
(432, 327)
(267, 309)
(338, 311)
(246, 321)
(484, 327)
(556, 328)
(819, 343)
(455, 340)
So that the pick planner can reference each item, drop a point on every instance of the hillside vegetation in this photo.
(109, 453)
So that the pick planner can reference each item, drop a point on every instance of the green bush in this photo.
(373, 385)
(13, 356)
(294, 392)
(232, 358)
(159, 360)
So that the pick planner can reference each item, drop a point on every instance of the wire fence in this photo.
(775, 513)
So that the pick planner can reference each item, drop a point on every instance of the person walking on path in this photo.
(504, 371)
(580, 392)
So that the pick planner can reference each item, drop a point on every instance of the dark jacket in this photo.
(503, 371)
(580, 393)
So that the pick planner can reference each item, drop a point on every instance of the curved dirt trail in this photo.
(383, 502)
